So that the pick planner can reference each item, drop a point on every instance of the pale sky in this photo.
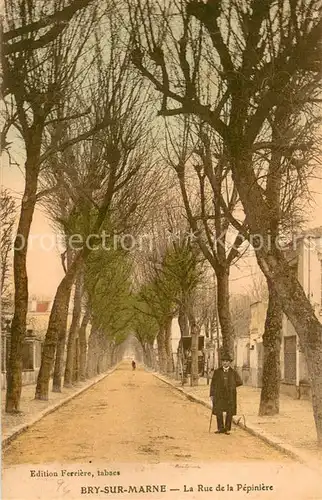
(44, 266)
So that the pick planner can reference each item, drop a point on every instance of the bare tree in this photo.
(38, 82)
(156, 300)
(202, 171)
(113, 158)
(40, 30)
(107, 281)
(257, 290)
(257, 53)
(72, 201)
(73, 331)
(172, 271)
(145, 329)
(83, 340)
(7, 220)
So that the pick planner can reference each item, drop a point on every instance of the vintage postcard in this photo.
(161, 249)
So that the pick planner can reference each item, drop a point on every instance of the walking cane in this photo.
(211, 414)
(210, 420)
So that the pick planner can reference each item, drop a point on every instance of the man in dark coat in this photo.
(223, 393)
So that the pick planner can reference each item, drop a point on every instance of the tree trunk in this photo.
(183, 320)
(83, 343)
(207, 328)
(275, 267)
(116, 354)
(227, 329)
(162, 353)
(55, 325)
(212, 325)
(60, 351)
(148, 355)
(185, 332)
(168, 346)
(61, 344)
(93, 352)
(269, 402)
(71, 346)
(153, 360)
(76, 376)
(18, 326)
(194, 378)
(108, 352)
(272, 338)
(145, 355)
(113, 353)
(298, 309)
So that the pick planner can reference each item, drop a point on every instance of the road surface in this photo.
(133, 417)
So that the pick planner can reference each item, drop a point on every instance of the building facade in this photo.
(37, 323)
(305, 257)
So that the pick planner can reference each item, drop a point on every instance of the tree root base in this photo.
(41, 398)
(268, 410)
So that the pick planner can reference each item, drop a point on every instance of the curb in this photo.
(285, 448)
(23, 427)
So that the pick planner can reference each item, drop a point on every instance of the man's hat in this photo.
(226, 357)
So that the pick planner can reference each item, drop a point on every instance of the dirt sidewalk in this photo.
(133, 417)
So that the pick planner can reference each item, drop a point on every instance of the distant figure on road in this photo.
(223, 393)
(133, 365)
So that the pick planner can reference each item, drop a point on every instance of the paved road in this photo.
(133, 417)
